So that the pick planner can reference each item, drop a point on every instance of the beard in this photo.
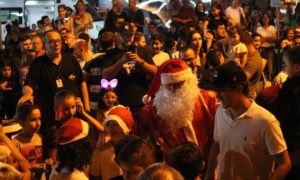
(176, 109)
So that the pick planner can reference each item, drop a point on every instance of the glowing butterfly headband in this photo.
(109, 84)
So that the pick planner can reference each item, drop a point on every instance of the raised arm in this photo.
(22, 161)
(110, 72)
(85, 96)
(92, 120)
(27, 95)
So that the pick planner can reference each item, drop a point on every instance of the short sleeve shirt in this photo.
(132, 87)
(254, 68)
(32, 149)
(247, 143)
(43, 77)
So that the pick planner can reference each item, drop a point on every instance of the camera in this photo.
(131, 48)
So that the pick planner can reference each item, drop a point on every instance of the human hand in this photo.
(39, 166)
(26, 175)
(3, 85)
(79, 105)
(25, 98)
(135, 57)
(125, 58)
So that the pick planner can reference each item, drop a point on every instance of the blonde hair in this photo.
(8, 172)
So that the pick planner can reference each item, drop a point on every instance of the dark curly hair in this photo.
(74, 155)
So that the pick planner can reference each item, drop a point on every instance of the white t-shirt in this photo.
(247, 143)
(235, 50)
(235, 14)
(160, 58)
(266, 33)
(65, 174)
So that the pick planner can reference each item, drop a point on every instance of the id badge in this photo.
(59, 83)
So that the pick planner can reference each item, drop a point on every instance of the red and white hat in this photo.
(122, 116)
(171, 71)
(73, 130)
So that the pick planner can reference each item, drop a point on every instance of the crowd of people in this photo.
(215, 96)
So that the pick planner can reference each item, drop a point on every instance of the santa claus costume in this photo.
(175, 116)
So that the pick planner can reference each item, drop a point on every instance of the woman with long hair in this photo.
(83, 21)
(268, 33)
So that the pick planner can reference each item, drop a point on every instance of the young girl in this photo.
(288, 39)
(108, 98)
(237, 50)
(28, 141)
(118, 123)
(63, 21)
(216, 15)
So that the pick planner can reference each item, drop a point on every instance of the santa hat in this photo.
(122, 116)
(171, 71)
(73, 130)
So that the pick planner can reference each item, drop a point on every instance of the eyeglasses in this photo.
(54, 41)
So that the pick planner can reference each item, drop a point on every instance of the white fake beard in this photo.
(176, 109)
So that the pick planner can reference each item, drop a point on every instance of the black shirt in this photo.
(136, 17)
(131, 88)
(42, 78)
(113, 18)
(94, 71)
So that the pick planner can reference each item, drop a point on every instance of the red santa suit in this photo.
(199, 130)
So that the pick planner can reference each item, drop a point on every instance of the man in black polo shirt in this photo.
(48, 74)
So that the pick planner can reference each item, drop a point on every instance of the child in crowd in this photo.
(257, 39)
(73, 152)
(134, 157)
(158, 42)
(188, 159)
(288, 39)
(8, 172)
(28, 141)
(160, 171)
(9, 89)
(108, 99)
(118, 124)
(237, 50)
(9, 154)
(66, 105)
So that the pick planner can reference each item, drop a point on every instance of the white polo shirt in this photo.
(247, 143)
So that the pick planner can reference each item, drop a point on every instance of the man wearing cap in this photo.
(248, 138)
(179, 111)
(133, 69)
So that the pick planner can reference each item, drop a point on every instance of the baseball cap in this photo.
(229, 74)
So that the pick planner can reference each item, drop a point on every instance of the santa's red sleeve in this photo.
(146, 121)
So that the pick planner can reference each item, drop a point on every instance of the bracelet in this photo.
(142, 62)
